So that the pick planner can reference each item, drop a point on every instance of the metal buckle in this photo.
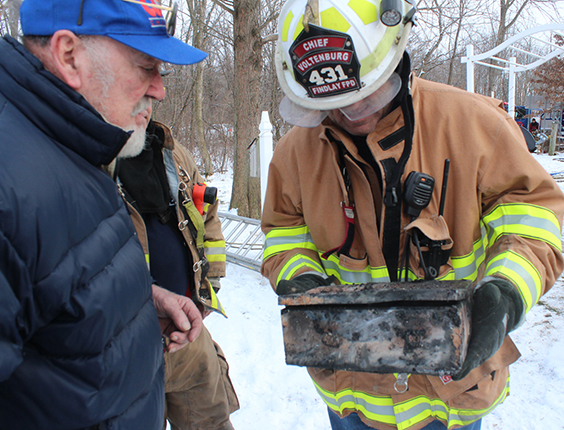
(401, 381)
(197, 265)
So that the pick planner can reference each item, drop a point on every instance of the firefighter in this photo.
(185, 249)
(335, 210)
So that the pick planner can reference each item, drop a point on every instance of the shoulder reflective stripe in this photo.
(404, 414)
(534, 222)
(297, 262)
(279, 240)
(148, 261)
(521, 272)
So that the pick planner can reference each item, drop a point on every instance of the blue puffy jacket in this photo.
(80, 343)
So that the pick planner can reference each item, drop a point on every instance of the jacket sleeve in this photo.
(289, 249)
(214, 242)
(522, 210)
(12, 275)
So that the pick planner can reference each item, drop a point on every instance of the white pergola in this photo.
(511, 66)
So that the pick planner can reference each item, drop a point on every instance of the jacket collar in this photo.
(55, 108)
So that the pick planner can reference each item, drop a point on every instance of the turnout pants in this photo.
(199, 392)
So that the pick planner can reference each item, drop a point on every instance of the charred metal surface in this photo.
(381, 292)
(409, 334)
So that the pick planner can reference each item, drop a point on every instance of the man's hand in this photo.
(179, 318)
(497, 309)
(302, 283)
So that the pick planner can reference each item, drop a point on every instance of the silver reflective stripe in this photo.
(351, 277)
(520, 271)
(286, 243)
(211, 250)
(340, 404)
(290, 269)
(523, 220)
(171, 174)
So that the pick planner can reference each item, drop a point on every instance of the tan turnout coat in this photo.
(503, 211)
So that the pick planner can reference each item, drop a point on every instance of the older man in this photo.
(80, 343)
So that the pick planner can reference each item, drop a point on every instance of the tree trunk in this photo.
(246, 87)
(198, 16)
(199, 122)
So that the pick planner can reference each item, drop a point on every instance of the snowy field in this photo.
(275, 396)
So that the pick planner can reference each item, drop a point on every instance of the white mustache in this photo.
(143, 104)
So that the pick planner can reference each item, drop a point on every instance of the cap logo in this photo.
(325, 62)
(156, 16)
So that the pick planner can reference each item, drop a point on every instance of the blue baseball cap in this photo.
(135, 23)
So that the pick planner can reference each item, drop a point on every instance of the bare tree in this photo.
(9, 16)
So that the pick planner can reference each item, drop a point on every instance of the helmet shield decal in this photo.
(325, 62)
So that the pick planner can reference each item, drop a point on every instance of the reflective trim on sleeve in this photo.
(466, 266)
(521, 272)
(404, 414)
(530, 221)
(294, 264)
(348, 276)
(215, 250)
(283, 239)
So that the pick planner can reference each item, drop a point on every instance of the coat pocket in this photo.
(429, 248)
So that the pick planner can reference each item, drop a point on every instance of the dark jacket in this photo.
(79, 339)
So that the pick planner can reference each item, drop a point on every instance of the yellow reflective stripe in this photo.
(365, 10)
(376, 408)
(286, 26)
(214, 302)
(521, 272)
(215, 250)
(407, 413)
(466, 266)
(333, 19)
(214, 244)
(530, 221)
(283, 239)
(349, 276)
(373, 60)
(148, 261)
(216, 258)
(297, 262)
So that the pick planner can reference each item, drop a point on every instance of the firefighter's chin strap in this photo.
(348, 207)
(393, 171)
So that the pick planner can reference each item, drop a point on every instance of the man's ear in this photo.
(68, 58)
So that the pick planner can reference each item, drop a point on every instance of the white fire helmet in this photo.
(339, 55)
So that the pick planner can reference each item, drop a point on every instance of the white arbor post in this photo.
(531, 60)
(511, 93)
(265, 152)
(470, 69)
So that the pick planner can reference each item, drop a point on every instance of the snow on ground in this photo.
(275, 396)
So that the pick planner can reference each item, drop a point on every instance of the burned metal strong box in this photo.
(399, 327)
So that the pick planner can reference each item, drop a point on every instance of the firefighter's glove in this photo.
(302, 283)
(496, 310)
